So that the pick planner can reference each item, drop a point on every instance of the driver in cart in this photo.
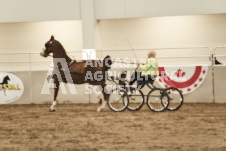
(148, 72)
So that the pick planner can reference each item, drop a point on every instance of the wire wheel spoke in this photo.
(136, 99)
(156, 100)
(175, 98)
(118, 100)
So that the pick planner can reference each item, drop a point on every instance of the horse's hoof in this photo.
(99, 109)
(50, 110)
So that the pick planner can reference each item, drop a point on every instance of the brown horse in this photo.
(77, 70)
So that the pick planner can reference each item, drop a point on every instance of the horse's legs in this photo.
(5, 89)
(98, 96)
(104, 102)
(56, 89)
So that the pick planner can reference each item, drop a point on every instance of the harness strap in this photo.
(73, 72)
(72, 61)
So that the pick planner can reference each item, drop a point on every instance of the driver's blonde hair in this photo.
(152, 53)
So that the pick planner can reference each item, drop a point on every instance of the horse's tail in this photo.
(107, 62)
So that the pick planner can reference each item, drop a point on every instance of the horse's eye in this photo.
(46, 45)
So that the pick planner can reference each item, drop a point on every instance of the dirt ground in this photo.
(80, 127)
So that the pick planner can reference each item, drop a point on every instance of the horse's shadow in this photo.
(5, 82)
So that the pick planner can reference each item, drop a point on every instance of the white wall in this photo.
(219, 83)
(203, 94)
(46, 10)
(174, 31)
(112, 9)
(88, 23)
(163, 32)
(40, 10)
(31, 37)
(89, 11)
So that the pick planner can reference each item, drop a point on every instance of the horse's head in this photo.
(6, 78)
(48, 47)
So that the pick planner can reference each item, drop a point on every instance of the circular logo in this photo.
(11, 88)
(186, 79)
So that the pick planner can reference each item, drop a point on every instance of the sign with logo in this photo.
(11, 88)
(186, 78)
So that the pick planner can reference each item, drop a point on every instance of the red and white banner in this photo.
(186, 78)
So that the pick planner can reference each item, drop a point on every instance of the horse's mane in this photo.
(60, 45)
(106, 61)
(61, 48)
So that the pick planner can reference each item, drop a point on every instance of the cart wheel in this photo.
(118, 100)
(155, 100)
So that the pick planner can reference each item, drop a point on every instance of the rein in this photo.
(79, 73)
(73, 72)
(60, 68)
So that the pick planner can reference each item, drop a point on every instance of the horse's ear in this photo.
(52, 38)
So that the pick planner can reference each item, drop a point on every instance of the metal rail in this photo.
(211, 50)
(16, 53)
(166, 48)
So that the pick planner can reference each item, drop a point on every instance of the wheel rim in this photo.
(175, 98)
(136, 100)
(118, 100)
(155, 100)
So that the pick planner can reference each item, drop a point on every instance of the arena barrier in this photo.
(32, 70)
(219, 72)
